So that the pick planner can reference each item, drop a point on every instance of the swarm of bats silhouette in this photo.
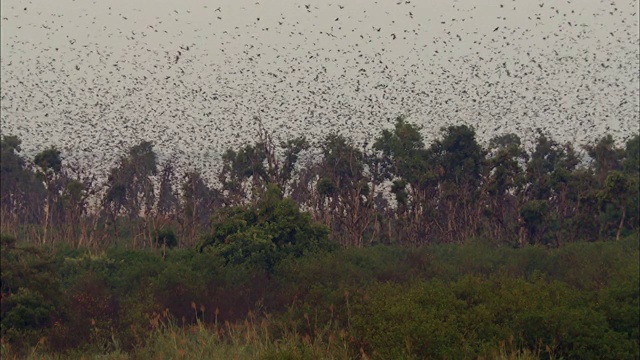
(95, 79)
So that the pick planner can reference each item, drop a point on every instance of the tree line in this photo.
(399, 191)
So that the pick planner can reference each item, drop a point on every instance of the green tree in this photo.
(280, 169)
(631, 162)
(583, 191)
(30, 288)
(631, 166)
(549, 174)
(540, 167)
(618, 192)
(415, 175)
(21, 193)
(198, 201)
(292, 149)
(344, 191)
(130, 188)
(167, 199)
(462, 160)
(247, 171)
(606, 156)
(74, 198)
(49, 165)
(166, 208)
(241, 167)
(535, 215)
(505, 183)
(264, 234)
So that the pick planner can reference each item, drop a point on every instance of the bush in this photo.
(166, 237)
(263, 235)
(30, 289)
(471, 317)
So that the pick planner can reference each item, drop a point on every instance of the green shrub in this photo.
(30, 290)
(263, 235)
(471, 317)
(166, 237)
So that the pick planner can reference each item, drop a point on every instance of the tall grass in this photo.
(253, 338)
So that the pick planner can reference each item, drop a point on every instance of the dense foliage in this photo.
(264, 234)
(439, 301)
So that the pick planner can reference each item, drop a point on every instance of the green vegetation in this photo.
(266, 233)
(383, 302)
(400, 251)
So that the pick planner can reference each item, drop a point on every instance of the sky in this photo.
(96, 77)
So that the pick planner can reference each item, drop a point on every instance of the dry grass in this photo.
(249, 339)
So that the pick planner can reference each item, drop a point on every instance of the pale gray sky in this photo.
(79, 74)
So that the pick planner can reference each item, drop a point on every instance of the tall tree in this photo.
(505, 183)
(74, 202)
(198, 204)
(618, 192)
(344, 188)
(606, 156)
(246, 172)
(549, 174)
(281, 162)
(631, 162)
(415, 175)
(167, 198)
(165, 211)
(462, 159)
(21, 194)
(49, 165)
(130, 188)
(243, 173)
